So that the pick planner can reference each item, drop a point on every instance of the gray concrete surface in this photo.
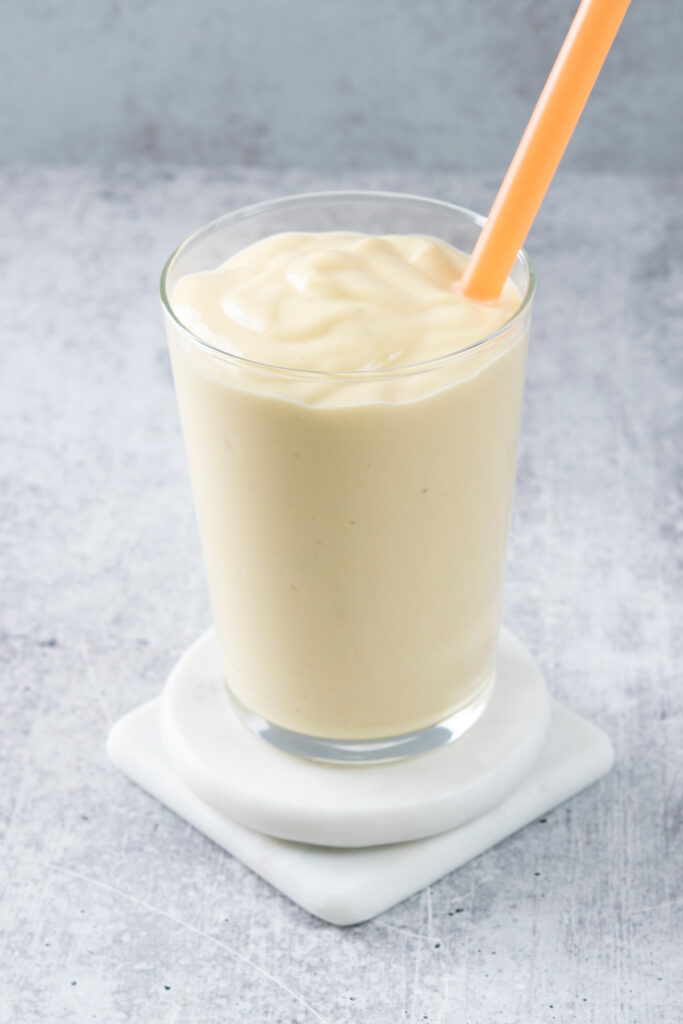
(326, 85)
(113, 910)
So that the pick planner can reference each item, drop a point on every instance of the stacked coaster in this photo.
(346, 842)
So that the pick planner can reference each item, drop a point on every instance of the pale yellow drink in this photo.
(353, 520)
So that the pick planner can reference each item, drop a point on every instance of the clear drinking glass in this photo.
(353, 525)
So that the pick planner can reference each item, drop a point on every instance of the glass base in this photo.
(373, 751)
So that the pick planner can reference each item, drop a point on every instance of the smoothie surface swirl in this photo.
(339, 302)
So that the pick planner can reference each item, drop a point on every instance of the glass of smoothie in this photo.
(351, 426)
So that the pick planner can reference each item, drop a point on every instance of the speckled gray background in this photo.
(325, 84)
(113, 909)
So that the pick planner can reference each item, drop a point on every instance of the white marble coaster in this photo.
(346, 886)
(252, 783)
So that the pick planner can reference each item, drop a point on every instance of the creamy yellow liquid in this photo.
(354, 524)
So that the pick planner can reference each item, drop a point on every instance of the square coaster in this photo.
(347, 886)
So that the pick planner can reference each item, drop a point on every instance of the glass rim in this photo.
(303, 198)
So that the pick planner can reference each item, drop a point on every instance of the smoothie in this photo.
(353, 507)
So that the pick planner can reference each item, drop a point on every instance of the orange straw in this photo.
(541, 147)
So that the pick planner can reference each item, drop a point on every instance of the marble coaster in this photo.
(347, 886)
(256, 785)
